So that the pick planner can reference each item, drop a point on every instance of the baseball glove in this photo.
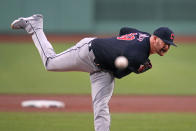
(144, 67)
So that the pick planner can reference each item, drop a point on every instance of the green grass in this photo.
(21, 71)
(84, 122)
(173, 73)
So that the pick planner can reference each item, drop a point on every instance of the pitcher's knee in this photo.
(50, 66)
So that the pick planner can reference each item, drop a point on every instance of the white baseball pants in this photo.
(79, 58)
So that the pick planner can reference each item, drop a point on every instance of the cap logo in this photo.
(172, 36)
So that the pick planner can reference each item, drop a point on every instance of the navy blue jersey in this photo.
(131, 43)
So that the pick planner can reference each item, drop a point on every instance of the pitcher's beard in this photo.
(162, 51)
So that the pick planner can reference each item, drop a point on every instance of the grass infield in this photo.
(21, 71)
(84, 122)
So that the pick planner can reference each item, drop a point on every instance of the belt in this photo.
(91, 49)
(90, 46)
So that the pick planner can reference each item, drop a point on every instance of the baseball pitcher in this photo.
(97, 55)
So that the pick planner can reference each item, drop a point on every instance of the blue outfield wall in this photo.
(103, 16)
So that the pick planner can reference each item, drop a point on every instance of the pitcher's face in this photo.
(161, 47)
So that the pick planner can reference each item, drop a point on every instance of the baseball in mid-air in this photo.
(121, 62)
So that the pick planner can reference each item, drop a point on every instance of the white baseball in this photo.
(121, 62)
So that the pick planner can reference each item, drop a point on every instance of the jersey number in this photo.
(130, 36)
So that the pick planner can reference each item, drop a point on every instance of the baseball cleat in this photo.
(30, 24)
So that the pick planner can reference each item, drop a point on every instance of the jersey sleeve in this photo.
(127, 30)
